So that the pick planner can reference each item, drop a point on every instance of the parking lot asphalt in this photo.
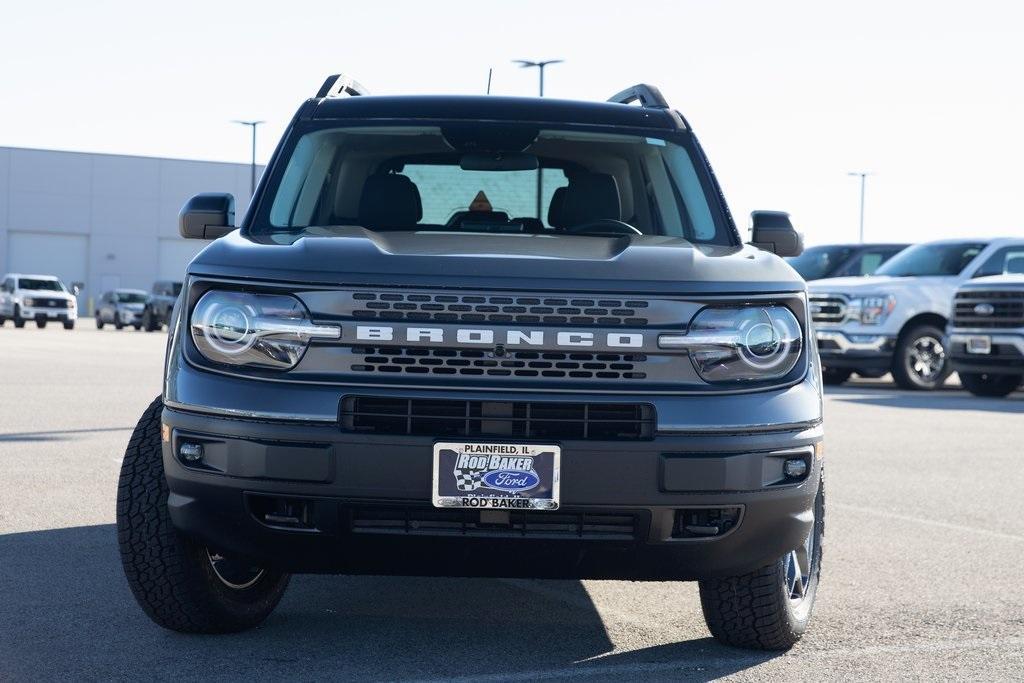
(923, 572)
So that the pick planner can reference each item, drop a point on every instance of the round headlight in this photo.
(254, 329)
(743, 344)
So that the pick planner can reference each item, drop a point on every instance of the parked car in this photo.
(37, 297)
(843, 260)
(986, 336)
(159, 303)
(895, 320)
(121, 307)
(353, 385)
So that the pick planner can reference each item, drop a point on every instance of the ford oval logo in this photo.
(511, 481)
(984, 309)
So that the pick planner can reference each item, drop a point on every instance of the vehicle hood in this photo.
(874, 284)
(996, 282)
(359, 257)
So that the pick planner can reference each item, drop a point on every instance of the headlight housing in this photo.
(256, 330)
(28, 301)
(872, 310)
(741, 344)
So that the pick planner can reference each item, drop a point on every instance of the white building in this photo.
(105, 220)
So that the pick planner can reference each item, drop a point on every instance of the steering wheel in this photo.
(608, 226)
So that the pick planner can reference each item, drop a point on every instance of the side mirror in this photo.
(207, 216)
(774, 232)
(76, 288)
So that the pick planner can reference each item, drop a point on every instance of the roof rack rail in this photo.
(340, 84)
(647, 95)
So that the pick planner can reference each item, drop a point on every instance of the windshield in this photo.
(819, 262)
(38, 284)
(130, 297)
(492, 178)
(931, 259)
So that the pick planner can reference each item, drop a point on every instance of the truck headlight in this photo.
(258, 330)
(873, 310)
(741, 344)
(27, 301)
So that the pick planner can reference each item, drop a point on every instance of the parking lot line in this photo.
(930, 522)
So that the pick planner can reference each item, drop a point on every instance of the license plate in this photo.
(979, 345)
(496, 476)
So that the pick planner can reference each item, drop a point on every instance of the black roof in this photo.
(496, 108)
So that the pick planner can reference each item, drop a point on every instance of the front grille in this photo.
(424, 361)
(444, 418)
(828, 308)
(423, 521)
(458, 308)
(47, 302)
(1007, 309)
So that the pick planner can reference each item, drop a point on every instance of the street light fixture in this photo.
(252, 169)
(863, 178)
(527, 64)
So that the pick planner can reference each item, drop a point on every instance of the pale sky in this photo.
(786, 97)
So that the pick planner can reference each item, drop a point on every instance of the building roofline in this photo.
(128, 156)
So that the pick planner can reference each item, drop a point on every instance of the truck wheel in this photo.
(148, 321)
(137, 326)
(769, 608)
(181, 584)
(920, 362)
(40, 323)
(2, 321)
(99, 321)
(984, 384)
(18, 320)
(833, 377)
(69, 324)
(118, 325)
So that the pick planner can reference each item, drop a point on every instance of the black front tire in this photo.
(149, 322)
(118, 325)
(137, 326)
(907, 364)
(993, 386)
(171, 576)
(99, 322)
(69, 324)
(18, 320)
(756, 610)
(40, 323)
(833, 377)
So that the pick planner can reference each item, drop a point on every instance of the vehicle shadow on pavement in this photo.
(931, 400)
(66, 612)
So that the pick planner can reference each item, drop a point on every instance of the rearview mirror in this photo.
(76, 288)
(773, 231)
(498, 161)
(207, 216)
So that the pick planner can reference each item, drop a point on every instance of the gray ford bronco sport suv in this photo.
(482, 336)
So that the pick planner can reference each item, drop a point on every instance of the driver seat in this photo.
(589, 197)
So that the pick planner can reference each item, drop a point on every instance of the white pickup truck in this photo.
(41, 298)
(895, 320)
(986, 337)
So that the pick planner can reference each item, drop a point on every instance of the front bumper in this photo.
(839, 349)
(49, 313)
(1006, 356)
(365, 503)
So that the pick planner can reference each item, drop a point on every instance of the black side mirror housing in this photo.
(207, 216)
(773, 231)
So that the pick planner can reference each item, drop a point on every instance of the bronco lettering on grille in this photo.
(523, 338)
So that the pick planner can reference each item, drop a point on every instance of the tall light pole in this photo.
(252, 169)
(863, 175)
(527, 64)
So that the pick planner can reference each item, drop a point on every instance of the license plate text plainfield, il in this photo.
(496, 476)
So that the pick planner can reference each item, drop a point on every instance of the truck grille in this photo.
(423, 521)
(536, 310)
(506, 419)
(999, 309)
(608, 366)
(828, 308)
